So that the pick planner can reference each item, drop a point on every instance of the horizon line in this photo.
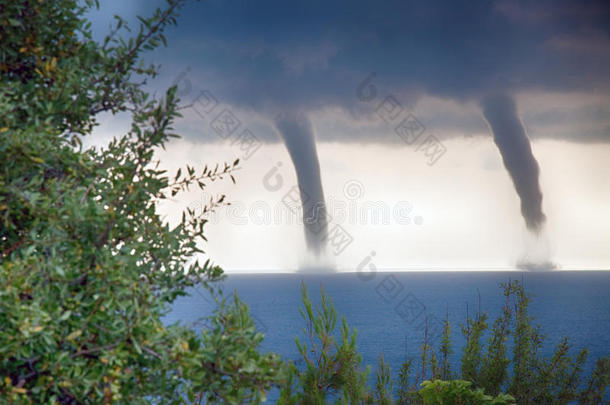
(323, 270)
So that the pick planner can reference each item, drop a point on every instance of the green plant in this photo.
(472, 355)
(459, 392)
(225, 366)
(494, 369)
(332, 367)
(596, 385)
(527, 341)
(87, 266)
(554, 380)
(383, 385)
(446, 350)
(534, 379)
(406, 391)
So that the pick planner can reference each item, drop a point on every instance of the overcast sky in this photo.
(436, 198)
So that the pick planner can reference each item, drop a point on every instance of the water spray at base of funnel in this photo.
(537, 254)
(511, 139)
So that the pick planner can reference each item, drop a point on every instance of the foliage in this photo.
(596, 383)
(407, 394)
(88, 268)
(459, 392)
(472, 355)
(485, 376)
(534, 379)
(331, 366)
(446, 350)
(494, 369)
(226, 367)
(383, 385)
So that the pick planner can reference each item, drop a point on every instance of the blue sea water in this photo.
(389, 309)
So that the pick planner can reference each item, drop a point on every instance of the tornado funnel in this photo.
(298, 135)
(512, 141)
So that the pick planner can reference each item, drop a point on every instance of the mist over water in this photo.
(537, 253)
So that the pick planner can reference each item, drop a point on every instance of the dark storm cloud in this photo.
(314, 53)
(271, 55)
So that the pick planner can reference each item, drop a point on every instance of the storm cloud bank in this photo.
(297, 133)
(512, 141)
(310, 56)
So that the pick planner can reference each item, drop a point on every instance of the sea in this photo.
(392, 311)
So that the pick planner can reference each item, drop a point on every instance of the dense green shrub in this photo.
(87, 266)
(459, 392)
